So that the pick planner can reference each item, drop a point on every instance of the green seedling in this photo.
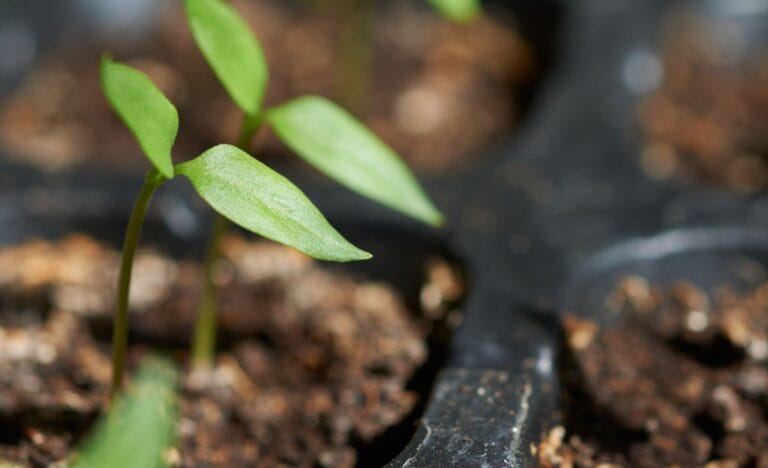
(237, 186)
(140, 426)
(319, 131)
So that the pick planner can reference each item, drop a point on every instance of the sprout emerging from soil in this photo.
(237, 186)
(140, 427)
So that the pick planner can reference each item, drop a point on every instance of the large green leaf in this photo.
(231, 50)
(144, 109)
(457, 10)
(259, 199)
(140, 427)
(332, 140)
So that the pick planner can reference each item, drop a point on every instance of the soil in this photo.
(314, 365)
(433, 90)
(706, 122)
(680, 381)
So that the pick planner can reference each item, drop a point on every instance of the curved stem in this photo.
(132, 234)
(204, 339)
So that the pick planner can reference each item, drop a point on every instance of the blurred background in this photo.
(437, 91)
(434, 90)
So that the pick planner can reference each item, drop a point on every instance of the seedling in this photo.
(235, 184)
(140, 426)
(319, 131)
(238, 187)
(354, 46)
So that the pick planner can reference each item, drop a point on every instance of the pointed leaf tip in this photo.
(252, 195)
(460, 11)
(231, 49)
(336, 143)
(144, 109)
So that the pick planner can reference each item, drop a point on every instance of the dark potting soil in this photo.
(681, 380)
(706, 122)
(433, 90)
(314, 366)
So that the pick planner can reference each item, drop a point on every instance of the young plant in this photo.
(240, 188)
(319, 131)
(140, 426)
(354, 43)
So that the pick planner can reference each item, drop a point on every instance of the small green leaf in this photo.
(140, 427)
(332, 140)
(457, 10)
(231, 49)
(144, 109)
(252, 195)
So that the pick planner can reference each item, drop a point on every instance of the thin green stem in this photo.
(355, 53)
(132, 234)
(248, 128)
(204, 339)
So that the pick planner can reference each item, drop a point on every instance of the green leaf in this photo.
(337, 144)
(231, 49)
(144, 109)
(457, 10)
(259, 199)
(140, 427)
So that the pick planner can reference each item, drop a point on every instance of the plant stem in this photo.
(355, 53)
(204, 339)
(132, 234)
(249, 127)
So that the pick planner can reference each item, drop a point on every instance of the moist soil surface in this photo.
(680, 381)
(313, 368)
(434, 91)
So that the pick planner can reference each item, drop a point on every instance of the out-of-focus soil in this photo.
(706, 122)
(435, 91)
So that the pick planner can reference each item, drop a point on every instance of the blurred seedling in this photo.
(460, 11)
(354, 43)
(139, 430)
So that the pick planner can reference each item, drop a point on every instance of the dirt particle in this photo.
(580, 332)
(659, 160)
(697, 320)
